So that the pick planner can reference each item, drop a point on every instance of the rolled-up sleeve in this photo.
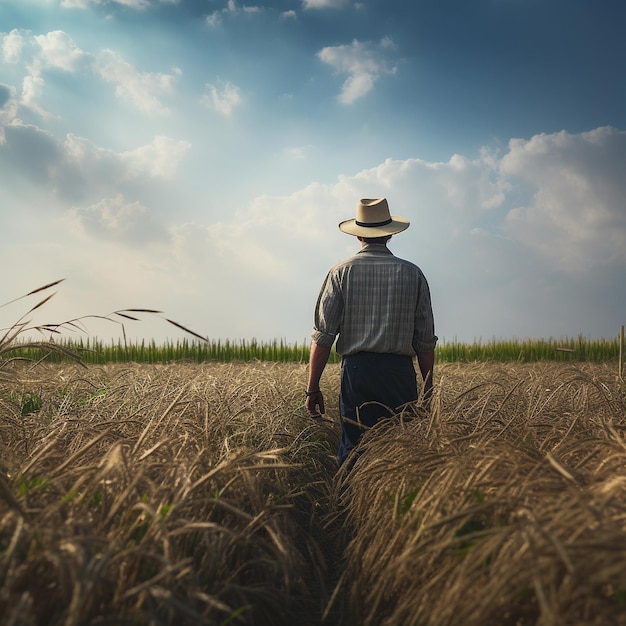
(328, 312)
(424, 338)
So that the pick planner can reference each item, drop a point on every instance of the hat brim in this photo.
(397, 225)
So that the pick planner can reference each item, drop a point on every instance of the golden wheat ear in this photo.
(187, 330)
(33, 292)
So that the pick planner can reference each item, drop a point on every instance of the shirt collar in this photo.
(375, 248)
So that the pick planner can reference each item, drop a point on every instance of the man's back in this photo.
(377, 302)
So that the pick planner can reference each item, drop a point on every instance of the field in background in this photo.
(60, 342)
(528, 351)
(202, 494)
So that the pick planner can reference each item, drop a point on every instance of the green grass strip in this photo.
(94, 351)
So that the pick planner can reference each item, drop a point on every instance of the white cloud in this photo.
(78, 4)
(77, 168)
(223, 97)
(215, 18)
(58, 50)
(577, 215)
(12, 44)
(8, 107)
(116, 219)
(98, 168)
(143, 89)
(232, 7)
(32, 94)
(133, 4)
(54, 50)
(364, 63)
(158, 159)
(324, 4)
(356, 86)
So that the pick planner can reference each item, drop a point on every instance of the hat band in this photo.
(373, 224)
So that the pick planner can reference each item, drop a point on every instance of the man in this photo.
(379, 307)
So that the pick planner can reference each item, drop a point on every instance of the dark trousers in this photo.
(373, 386)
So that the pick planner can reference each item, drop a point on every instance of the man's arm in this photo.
(426, 361)
(317, 363)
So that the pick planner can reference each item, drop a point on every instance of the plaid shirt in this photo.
(375, 302)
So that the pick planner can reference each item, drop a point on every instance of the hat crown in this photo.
(372, 212)
(373, 219)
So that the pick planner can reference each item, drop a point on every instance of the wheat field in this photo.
(203, 494)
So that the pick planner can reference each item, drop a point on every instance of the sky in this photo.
(195, 157)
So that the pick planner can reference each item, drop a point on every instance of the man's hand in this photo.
(426, 361)
(315, 404)
(317, 362)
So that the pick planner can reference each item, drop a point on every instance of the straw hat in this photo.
(374, 220)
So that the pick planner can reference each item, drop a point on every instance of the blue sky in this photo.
(196, 157)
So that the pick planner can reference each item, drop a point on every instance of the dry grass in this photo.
(158, 495)
(507, 505)
(203, 495)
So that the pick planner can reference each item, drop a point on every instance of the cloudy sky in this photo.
(195, 156)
